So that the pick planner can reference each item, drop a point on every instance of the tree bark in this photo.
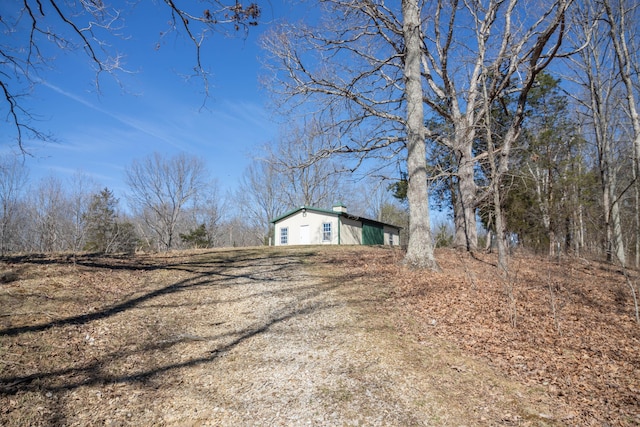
(420, 252)
(466, 235)
(636, 164)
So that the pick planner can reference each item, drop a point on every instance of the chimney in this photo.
(339, 207)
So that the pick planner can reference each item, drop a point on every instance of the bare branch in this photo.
(87, 26)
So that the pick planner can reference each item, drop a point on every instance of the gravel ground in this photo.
(291, 349)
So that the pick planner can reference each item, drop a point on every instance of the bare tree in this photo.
(359, 71)
(48, 211)
(260, 196)
(289, 175)
(81, 189)
(305, 177)
(234, 231)
(420, 247)
(13, 179)
(511, 45)
(160, 190)
(595, 71)
(205, 210)
(32, 30)
(623, 20)
(375, 199)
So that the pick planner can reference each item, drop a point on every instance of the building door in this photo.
(305, 235)
(372, 234)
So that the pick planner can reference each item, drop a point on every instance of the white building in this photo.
(312, 226)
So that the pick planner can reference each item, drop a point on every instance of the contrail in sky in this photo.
(122, 119)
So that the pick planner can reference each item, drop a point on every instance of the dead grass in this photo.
(321, 336)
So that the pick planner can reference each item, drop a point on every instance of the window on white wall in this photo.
(326, 232)
(284, 236)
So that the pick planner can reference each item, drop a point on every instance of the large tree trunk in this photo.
(420, 249)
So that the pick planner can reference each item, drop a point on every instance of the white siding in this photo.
(312, 224)
(314, 221)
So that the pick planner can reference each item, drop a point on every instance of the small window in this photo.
(284, 236)
(326, 232)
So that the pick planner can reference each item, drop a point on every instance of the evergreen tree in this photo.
(548, 188)
(101, 222)
(198, 237)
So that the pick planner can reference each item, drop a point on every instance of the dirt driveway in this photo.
(231, 338)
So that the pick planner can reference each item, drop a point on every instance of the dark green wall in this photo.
(372, 234)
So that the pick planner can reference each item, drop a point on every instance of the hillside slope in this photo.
(314, 336)
(566, 326)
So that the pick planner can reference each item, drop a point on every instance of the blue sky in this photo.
(153, 108)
